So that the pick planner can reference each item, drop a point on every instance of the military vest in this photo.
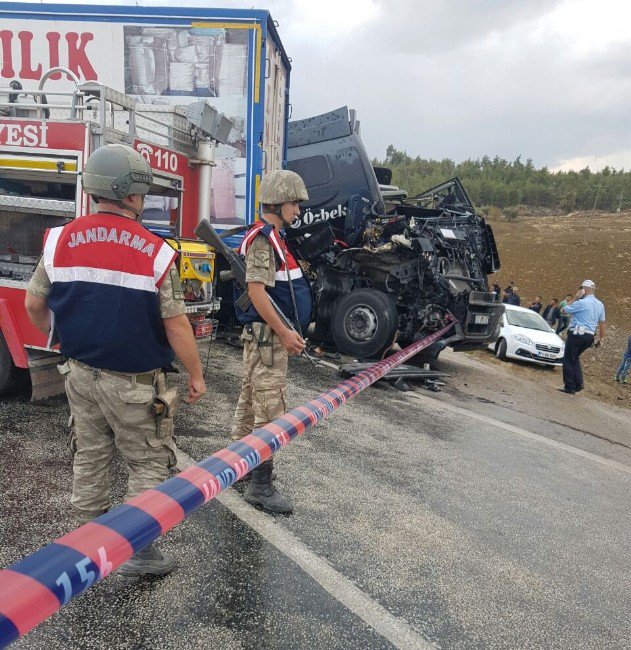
(106, 272)
(286, 268)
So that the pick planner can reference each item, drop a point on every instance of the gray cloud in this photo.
(437, 27)
(462, 84)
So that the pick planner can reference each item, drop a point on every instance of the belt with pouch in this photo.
(264, 336)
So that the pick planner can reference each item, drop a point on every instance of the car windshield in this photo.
(527, 319)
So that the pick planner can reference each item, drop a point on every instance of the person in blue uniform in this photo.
(587, 328)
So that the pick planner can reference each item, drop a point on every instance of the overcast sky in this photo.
(545, 79)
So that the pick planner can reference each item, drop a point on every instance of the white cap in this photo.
(589, 284)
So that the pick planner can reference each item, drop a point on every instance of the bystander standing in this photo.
(512, 297)
(625, 364)
(536, 304)
(564, 320)
(551, 313)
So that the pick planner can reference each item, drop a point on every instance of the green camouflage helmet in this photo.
(116, 171)
(282, 186)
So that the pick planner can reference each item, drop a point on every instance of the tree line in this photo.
(503, 184)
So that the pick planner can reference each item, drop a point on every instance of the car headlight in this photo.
(523, 339)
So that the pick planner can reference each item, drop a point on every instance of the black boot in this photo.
(261, 491)
(149, 561)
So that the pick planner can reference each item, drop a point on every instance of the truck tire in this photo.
(11, 377)
(364, 323)
(500, 350)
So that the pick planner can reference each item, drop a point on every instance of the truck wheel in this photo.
(10, 375)
(364, 322)
(500, 349)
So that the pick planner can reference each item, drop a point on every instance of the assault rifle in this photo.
(237, 271)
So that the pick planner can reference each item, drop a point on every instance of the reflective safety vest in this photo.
(106, 272)
(286, 265)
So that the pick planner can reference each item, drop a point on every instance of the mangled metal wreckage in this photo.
(385, 267)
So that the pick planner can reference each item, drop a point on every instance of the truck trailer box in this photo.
(232, 58)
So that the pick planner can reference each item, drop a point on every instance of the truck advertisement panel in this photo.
(216, 55)
(179, 65)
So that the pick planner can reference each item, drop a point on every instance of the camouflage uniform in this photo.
(262, 397)
(111, 409)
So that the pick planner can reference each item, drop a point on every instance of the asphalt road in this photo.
(420, 519)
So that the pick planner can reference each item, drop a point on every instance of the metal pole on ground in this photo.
(37, 586)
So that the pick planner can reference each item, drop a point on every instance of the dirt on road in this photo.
(550, 255)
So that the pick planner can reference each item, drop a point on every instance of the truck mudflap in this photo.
(46, 380)
(481, 323)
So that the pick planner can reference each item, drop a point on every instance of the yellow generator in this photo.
(196, 265)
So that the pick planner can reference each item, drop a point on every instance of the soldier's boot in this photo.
(261, 491)
(84, 516)
(149, 561)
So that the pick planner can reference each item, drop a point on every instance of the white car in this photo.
(526, 336)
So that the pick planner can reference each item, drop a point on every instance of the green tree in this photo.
(498, 182)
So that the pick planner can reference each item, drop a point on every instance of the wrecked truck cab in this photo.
(383, 266)
(327, 152)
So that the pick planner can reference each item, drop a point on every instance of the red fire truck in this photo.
(45, 139)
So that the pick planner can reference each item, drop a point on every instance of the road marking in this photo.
(614, 464)
(391, 628)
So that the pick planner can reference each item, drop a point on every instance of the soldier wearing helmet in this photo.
(108, 289)
(271, 270)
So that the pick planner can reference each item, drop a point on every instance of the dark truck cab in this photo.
(383, 266)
